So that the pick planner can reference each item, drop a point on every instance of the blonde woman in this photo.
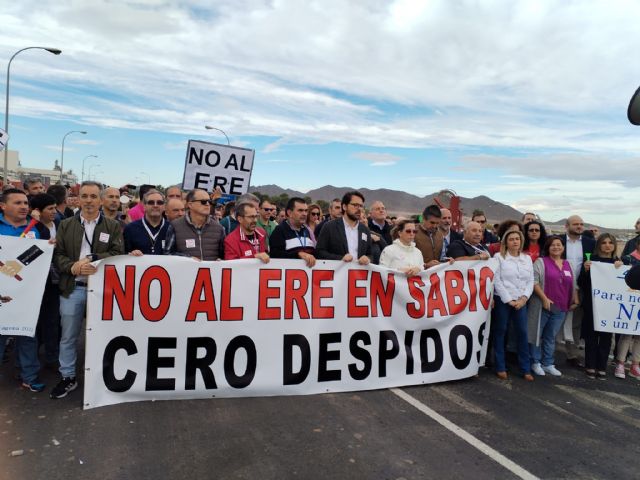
(513, 285)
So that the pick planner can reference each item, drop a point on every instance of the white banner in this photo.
(24, 266)
(616, 307)
(210, 165)
(163, 328)
(4, 138)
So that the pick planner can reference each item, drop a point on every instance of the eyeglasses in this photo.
(268, 209)
(534, 230)
(481, 221)
(204, 202)
(315, 214)
(357, 205)
(409, 231)
(155, 202)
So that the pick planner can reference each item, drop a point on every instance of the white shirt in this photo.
(575, 255)
(352, 238)
(514, 277)
(398, 255)
(85, 248)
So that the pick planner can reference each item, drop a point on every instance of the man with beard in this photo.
(246, 241)
(346, 238)
(110, 198)
(429, 239)
(147, 235)
(576, 248)
(470, 247)
(448, 235)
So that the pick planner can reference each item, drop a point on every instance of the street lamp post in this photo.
(62, 153)
(209, 127)
(90, 167)
(55, 51)
(83, 160)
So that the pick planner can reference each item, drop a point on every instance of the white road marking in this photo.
(466, 436)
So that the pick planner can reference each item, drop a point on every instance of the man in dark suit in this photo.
(576, 248)
(346, 238)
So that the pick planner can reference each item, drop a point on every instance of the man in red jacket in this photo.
(247, 241)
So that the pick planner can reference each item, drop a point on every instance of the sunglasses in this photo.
(268, 209)
(155, 202)
(204, 202)
(409, 231)
(534, 230)
(315, 214)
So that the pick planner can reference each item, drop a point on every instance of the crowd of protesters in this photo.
(542, 282)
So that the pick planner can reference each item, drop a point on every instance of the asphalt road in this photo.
(568, 427)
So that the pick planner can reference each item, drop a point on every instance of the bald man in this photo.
(470, 247)
(576, 247)
(377, 222)
(110, 198)
(174, 209)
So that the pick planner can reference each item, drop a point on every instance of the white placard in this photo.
(211, 165)
(24, 266)
(616, 307)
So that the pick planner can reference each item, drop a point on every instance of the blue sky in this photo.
(524, 102)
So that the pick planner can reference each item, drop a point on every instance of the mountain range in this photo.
(398, 202)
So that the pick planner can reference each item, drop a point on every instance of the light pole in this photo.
(55, 51)
(83, 160)
(90, 167)
(209, 127)
(148, 177)
(62, 153)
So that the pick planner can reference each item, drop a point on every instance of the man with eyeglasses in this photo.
(346, 238)
(147, 235)
(246, 241)
(80, 240)
(196, 235)
(266, 212)
(230, 223)
(488, 238)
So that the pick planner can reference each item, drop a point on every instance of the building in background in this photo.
(18, 173)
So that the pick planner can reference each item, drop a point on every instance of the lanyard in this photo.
(152, 237)
(86, 237)
(303, 242)
(475, 249)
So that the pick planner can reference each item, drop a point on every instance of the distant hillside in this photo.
(398, 202)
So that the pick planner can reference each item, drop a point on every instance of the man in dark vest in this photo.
(196, 234)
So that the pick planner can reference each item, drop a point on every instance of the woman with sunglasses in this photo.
(315, 216)
(535, 236)
(513, 283)
(596, 344)
(402, 254)
(555, 295)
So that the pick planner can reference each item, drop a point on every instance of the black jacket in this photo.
(588, 246)
(332, 243)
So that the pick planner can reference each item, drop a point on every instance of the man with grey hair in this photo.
(33, 186)
(230, 223)
(470, 247)
(174, 192)
(80, 240)
(147, 235)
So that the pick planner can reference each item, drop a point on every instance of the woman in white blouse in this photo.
(402, 254)
(513, 285)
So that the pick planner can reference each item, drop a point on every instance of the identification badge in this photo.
(31, 235)
(567, 273)
(104, 237)
(248, 253)
(364, 237)
(190, 243)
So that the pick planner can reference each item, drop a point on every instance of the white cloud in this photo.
(85, 141)
(377, 159)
